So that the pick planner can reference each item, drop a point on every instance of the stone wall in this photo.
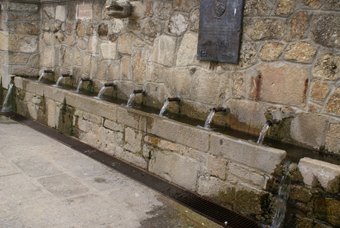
(288, 66)
(235, 173)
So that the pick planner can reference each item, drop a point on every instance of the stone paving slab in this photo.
(44, 183)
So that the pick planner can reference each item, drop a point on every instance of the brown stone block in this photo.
(311, 3)
(333, 104)
(325, 30)
(285, 85)
(260, 29)
(319, 91)
(333, 139)
(138, 67)
(327, 209)
(148, 9)
(80, 30)
(300, 194)
(271, 51)
(17, 58)
(327, 67)
(239, 85)
(298, 24)
(255, 8)
(301, 52)
(29, 28)
(285, 7)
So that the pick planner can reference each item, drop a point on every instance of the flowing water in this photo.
(263, 133)
(131, 99)
(100, 94)
(79, 86)
(59, 80)
(282, 197)
(5, 107)
(41, 76)
(209, 119)
(164, 107)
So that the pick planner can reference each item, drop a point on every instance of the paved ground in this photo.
(44, 183)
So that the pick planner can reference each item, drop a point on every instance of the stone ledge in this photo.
(315, 170)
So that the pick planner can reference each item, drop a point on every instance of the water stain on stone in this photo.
(100, 180)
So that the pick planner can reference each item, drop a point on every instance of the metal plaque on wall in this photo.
(220, 28)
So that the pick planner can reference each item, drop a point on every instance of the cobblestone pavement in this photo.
(44, 183)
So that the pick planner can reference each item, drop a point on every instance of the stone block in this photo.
(178, 24)
(108, 50)
(260, 29)
(333, 105)
(271, 51)
(324, 29)
(301, 52)
(309, 129)
(129, 118)
(113, 125)
(255, 8)
(93, 45)
(333, 139)
(327, 209)
(239, 85)
(28, 44)
(48, 57)
(315, 170)
(319, 91)
(299, 24)
(285, 7)
(211, 186)
(300, 194)
(161, 143)
(21, 7)
(35, 87)
(163, 10)
(18, 82)
(138, 67)
(327, 67)
(164, 50)
(186, 54)
(32, 110)
(124, 43)
(60, 13)
(93, 118)
(175, 168)
(54, 93)
(216, 167)
(133, 140)
(181, 133)
(131, 158)
(178, 81)
(247, 153)
(247, 174)
(4, 40)
(17, 58)
(286, 84)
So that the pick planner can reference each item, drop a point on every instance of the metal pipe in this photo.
(174, 99)
(66, 75)
(85, 79)
(138, 91)
(109, 84)
(271, 122)
(220, 109)
(48, 71)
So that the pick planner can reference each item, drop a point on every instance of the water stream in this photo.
(209, 119)
(59, 80)
(41, 76)
(5, 107)
(131, 99)
(166, 103)
(282, 197)
(263, 133)
(79, 86)
(100, 94)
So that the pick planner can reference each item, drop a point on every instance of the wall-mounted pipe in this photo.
(174, 99)
(138, 91)
(109, 84)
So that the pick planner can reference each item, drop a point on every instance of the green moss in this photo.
(66, 119)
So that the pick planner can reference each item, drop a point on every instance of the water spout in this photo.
(43, 74)
(138, 91)
(166, 103)
(81, 83)
(5, 107)
(209, 119)
(109, 84)
(265, 129)
(62, 76)
(132, 96)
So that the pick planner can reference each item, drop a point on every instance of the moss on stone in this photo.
(66, 119)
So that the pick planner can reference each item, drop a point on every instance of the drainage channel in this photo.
(195, 202)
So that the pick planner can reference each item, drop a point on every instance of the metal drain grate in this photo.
(197, 203)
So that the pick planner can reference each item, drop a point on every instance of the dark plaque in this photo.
(220, 30)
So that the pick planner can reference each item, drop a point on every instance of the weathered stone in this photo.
(303, 222)
(255, 8)
(114, 70)
(301, 52)
(132, 158)
(47, 37)
(8, 6)
(113, 125)
(13, 40)
(327, 67)
(51, 113)
(117, 25)
(194, 19)
(239, 85)
(325, 30)
(103, 29)
(93, 118)
(164, 49)
(247, 153)
(211, 186)
(333, 104)
(163, 10)
(271, 51)
(108, 50)
(49, 11)
(4, 40)
(34, 61)
(87, 65)
(315, 170)
(334, 4)
(89, 30)
(60, 13)
(327, 209)
(80, 30)
(260, 29)
(97, 13)
(210, 88)
(216, 167)
(309, 129)
(285, 7)
(77, 57)
(175, 168)
(286, 84)
(300, 194)
(138, 67)
(55, 27)
(93, 45)
(33, 17)
(178, 24)
(161, 143)
(148, 9)
(66, 56)
(133, 140)
(59, 37)
(48, 57)
(298, 24)
(311, 3)
(150, 28)
(186, 54)
(246, 173)
(82, 44)
(333, 139)
(100, 69)
(319, 91)
(17, 58)
(124, 43)
(29, 28)
(125, 68)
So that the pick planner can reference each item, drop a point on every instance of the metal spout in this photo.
(138, 91)
(271, 122)
(220, 109)
(85, 79)
(174, 99)
(48, 71)
(66, 75)
(109, 84)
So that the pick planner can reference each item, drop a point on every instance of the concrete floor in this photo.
(44, 183)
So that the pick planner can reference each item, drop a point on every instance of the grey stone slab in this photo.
(14, 152)
(63, 185)
(12, 222)
(19, 187)
(7, 168)
(37, 167)
(6, 207)
(84, 167)
(109, 182)
(47, 212)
